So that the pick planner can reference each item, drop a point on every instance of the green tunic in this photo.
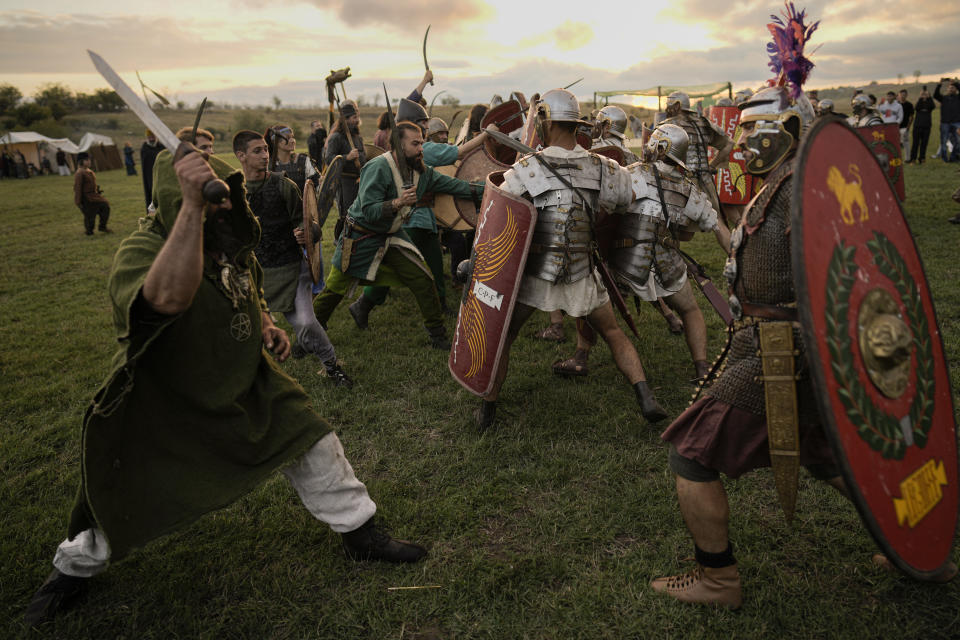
(195, 413)
(368, 211)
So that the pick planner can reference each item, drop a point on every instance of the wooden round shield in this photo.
(327, 192)
(874, 348)
(445, 208)
(372, 151)
(311, 244)
(508, 117)
(475, 167)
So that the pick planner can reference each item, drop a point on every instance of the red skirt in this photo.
(733, 441)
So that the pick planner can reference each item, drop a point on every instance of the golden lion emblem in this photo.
(848, 193)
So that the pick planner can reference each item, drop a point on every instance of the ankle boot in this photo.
(360, 310)
(438, 338)
(336, 373)
(649, 407)
(703, 585)
(371, 542)
(486, 415)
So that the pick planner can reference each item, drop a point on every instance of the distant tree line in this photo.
(52, 102)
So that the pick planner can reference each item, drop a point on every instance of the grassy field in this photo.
(550, 527)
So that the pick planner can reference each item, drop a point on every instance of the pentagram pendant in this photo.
(240, 327)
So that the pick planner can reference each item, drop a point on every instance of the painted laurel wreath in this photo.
(882, 431)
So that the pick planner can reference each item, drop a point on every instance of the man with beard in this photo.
(149, 151)
(560, 272)
(287, 283)
(421, 226)
(196, 413)
(345, 140)
(374, 249)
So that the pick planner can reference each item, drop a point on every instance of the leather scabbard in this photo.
(777, 356)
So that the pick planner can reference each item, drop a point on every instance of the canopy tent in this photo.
(35, 146)
(103, 151)
(694, 91)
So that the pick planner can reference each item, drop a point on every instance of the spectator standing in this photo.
(89, 197)
(949, 118)
(922, 122)
(128, 159)
(907, 107)
(890, 110)
(62, 167)
(22, 170)
(149, 151)
(382, 137)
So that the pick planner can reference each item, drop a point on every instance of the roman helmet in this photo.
(860, 104)
(410, 111)
(681, 98)
(668, 141)
(556, 105)
(742, 96)
(825, 106)
(616, 118)
(779, 121)
(437, 127)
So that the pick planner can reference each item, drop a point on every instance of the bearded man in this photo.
(374, 249)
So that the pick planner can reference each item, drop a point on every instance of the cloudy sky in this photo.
(245, 52)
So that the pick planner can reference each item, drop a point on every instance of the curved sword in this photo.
(425, 64)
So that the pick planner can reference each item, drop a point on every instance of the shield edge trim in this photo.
(513, 300)
(806, 315)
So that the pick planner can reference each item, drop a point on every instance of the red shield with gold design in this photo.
(884, 141)
(734, 184)
(875, 350)
(508, 117)
(504, 231)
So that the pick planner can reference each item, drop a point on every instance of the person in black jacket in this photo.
(949, 118)
(908, 110)
(315, 142)
(149, 151)
(921, 126)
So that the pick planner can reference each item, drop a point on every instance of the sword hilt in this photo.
(215, 190)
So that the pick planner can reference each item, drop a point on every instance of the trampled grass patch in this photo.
(550, 527)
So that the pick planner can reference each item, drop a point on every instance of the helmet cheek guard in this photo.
(540, 122)
(769, 143)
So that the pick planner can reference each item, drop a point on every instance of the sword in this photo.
(573, 83)
(196, 123)
(425, 64)
(608, 280)
(708, 289)
(430, 110)
(215, 191)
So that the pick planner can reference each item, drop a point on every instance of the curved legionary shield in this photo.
(327, 192)
(445, 207)
(311, 243)
(499, 255)
(875, 350)
(734, 184)
(475, 167)
(371, 151)
(508, 117)
(611, 151)
(884, 141)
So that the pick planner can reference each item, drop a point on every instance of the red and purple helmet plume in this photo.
(790, 36)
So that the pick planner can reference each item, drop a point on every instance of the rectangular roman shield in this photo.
(734, 184)
(504, 231)
(884, 142)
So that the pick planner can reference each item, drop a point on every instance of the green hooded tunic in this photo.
(377, 187)
(195, 413)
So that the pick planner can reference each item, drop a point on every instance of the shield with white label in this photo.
(504, 231)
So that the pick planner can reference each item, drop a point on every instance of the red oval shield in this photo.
(875, 349)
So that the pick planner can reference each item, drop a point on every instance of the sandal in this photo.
(553, 333)
(575, 366)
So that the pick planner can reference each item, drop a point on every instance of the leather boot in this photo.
(371, 542)
(336, 373)
(360, 310)
(703, 585)
(486, 415)
(57, 593)
(438, 338)
(649, 407)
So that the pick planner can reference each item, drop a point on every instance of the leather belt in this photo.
(769, 311)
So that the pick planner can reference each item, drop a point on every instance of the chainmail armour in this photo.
(764, 275)
(563, 238)
(277, 247)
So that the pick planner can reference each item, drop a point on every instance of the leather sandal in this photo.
(575, 366)
(553, 333)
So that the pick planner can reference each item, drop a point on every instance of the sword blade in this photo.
(196, 123)
(426, 65)
(507, 141)
(137, 105)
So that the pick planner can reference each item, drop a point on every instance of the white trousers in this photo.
(322, 477)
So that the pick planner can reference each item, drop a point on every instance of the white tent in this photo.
(34, 146)
(103, 151)
(90, 139)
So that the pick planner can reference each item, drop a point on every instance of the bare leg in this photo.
(706, 512)
(694, 326)
(521, 313)
(624, 353)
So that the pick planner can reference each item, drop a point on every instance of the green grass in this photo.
(551, 527)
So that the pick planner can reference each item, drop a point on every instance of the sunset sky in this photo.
(245, 52)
